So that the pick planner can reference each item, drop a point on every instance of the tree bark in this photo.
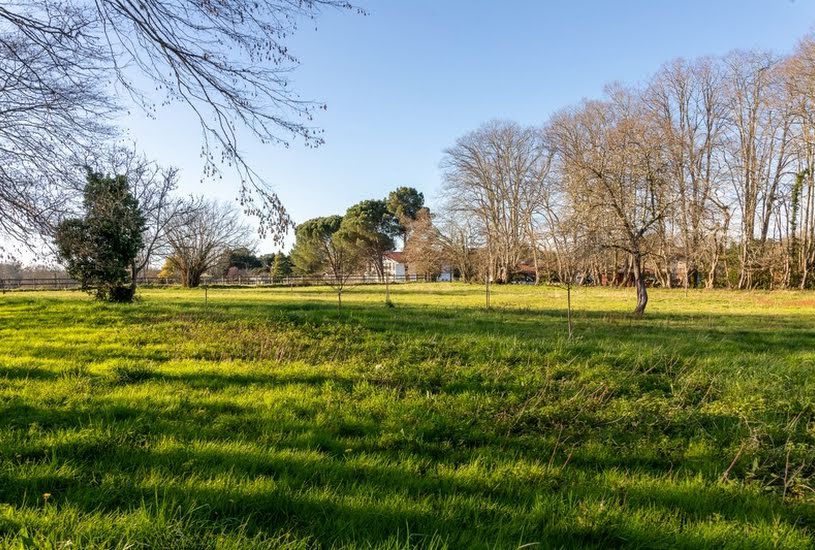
(639, 283)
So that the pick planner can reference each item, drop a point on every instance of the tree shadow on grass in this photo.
(694, 335)
(336, 473)
(19, 373)
(331, 495)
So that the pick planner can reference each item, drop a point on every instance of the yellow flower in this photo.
(46, 496)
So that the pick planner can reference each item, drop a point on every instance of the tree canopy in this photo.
(371, 227)
(404, 203)
(68, 67)
(201, 236)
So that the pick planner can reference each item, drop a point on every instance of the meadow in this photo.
(265, 418)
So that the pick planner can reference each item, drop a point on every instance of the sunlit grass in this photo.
(266, 418)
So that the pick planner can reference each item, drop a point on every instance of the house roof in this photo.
(396, 256)
(525, 269)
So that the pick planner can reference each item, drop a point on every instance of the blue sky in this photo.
(404, 82)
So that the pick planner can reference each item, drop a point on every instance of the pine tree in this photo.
(281, 268)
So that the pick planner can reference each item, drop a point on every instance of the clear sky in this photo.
(405, 82)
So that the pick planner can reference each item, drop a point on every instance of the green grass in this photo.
(267, 419)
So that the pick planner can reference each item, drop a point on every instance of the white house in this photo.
(445, 276)
(397, 269)
(395, 266)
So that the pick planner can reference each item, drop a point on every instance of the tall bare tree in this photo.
(688, 104)
(493, 175)
(616, 173)
(758, 150)
(201, 235)
(799, 77)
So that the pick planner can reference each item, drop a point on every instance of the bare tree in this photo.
(577, 245)
(799, 74)
(201, 234)
(688, 104)
(494, 175)
(616, 173)
(154, 190)
(424, 251)
(461, 244)
(228, 62)
(758, 149)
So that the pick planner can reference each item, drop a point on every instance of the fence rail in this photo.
(57, 283)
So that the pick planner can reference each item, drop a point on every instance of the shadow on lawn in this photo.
(695, 334)
(320, 485)
(358, 478)
(17, 373)
(690, 335)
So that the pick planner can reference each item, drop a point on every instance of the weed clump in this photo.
(132, 374)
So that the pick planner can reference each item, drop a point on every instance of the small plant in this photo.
(132, 374)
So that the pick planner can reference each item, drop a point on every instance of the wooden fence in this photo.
(58, 283)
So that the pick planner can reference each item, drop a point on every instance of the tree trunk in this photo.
(536, 262)
(744, 274)
(133, 272)
(711, 274)
(639, 283)
(192, 279)
(626, 274)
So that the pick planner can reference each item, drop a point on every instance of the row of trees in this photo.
(343, 246)
(242, 261)
(128, 221)
(703, 176)
(16, 271)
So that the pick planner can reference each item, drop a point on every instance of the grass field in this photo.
(264, 418)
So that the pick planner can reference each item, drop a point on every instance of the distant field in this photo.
(267, 419)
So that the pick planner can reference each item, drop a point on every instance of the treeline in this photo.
(15, 270)
(130, 218)
(340, 247)
(701, 176)
(240, 262)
